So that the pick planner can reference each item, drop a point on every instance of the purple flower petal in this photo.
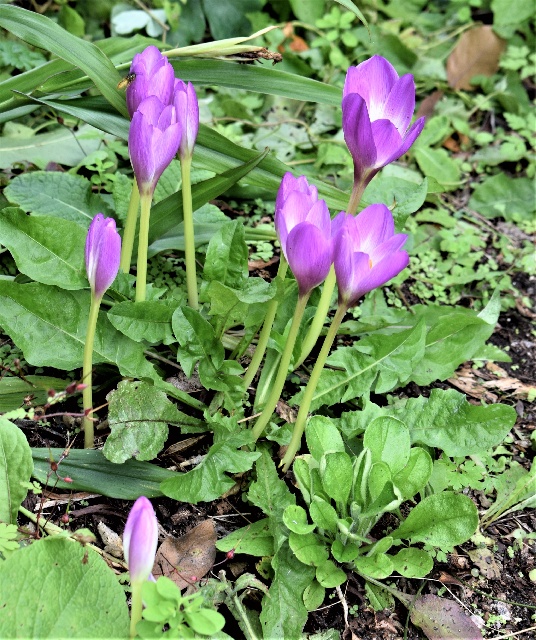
(382, 272)
(390, 246)
(309, 254)
(140, 540)
(358, 133)
(400, 104)
(154, 75)
(187, 109)
(318, 215)
(372, 80)
(375, 225)
(102, 253)
(386, 139)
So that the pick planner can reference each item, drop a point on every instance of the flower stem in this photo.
(189, 240)
(136, 607)
(264, 335)
(320, 317)
(355, 198)
(87, 394)
(143, 243)
(282, 372)
(130, 228)
(301, 420)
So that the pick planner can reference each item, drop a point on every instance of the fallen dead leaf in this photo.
(485, 561)
(187, 559)
(465, 381)
(113, 544)
(477, 53)
(442, 619)
(427, 106)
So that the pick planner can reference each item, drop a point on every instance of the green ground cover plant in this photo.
(284, 236)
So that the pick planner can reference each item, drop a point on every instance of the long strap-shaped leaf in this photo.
(44, 33)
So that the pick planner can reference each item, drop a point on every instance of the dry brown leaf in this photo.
(469, 385)
(477, 53)
(427, 106)
(442, 619)
(485, 561)
(187, 559)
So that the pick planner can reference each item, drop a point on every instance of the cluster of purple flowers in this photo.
(165, 117)
(365, 250)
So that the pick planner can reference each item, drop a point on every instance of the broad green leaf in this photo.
(407, 197)
(255, 539)
(15, 470)
(62, 195)
(344, 552)
(442, 520)
(313, 596)
(308, 10)
(138, 415)
(58, 321)
(329, 575)
(308, 548)
(444, 420)
(389, 362)
(13, 390)
(88, 602)
(271, 494)
(283, 613)
(197, 339)
(415, 475)
(376, 566)
(62, 146)
(336, 475)
(412, 563)
(226, 260)
(351, 7)
(295, 519)
(322, 436)
(501, 195)
(46, 249)
(389, 441)
(91, 471)
(209, 480)
(228, 18)
(323, 514)
(44, 33)
(437, 164)
(148, 321)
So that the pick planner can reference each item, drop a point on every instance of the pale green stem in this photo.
(136, 606)
(129, 231)
(310, 389)
(264, 335)
(355, 198)
(189, 240)
(143, 243)
(282, 372)
(320, 317)
(87, 379)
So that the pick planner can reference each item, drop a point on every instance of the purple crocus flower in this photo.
(187, 110)
(153, 141)
(303, 226)
(377, 108)
(140, 540)
(154, 76)
(103, 253)
(367, 253)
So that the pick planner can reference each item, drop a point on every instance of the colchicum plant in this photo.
(221, 334)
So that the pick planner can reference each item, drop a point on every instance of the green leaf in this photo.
(209, 480)
(62, 146)
(351, 7)
(283, 613)
(442, 520)
(308, 548)
(415, 475)
(57, 339)
(13, 390)
(412, 563)
(389, 441)
(501, 195)
(46, 249)
(322, 436)
(329, 575)
(227, 255)
(148, 321)
(389, 362)
(228, 18)
(91, 471)
(308, 10)
(271, 494)
(15, 470)
(295, 519)
(336, 474)
(437, 164)
(256, 539)
(376, 566)
(444, 420)
(89, 600)
(44, 33)
(313, 596)
(48, 193)
(407, 197)
(138, 415)
(323, 514)
(197, 339)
